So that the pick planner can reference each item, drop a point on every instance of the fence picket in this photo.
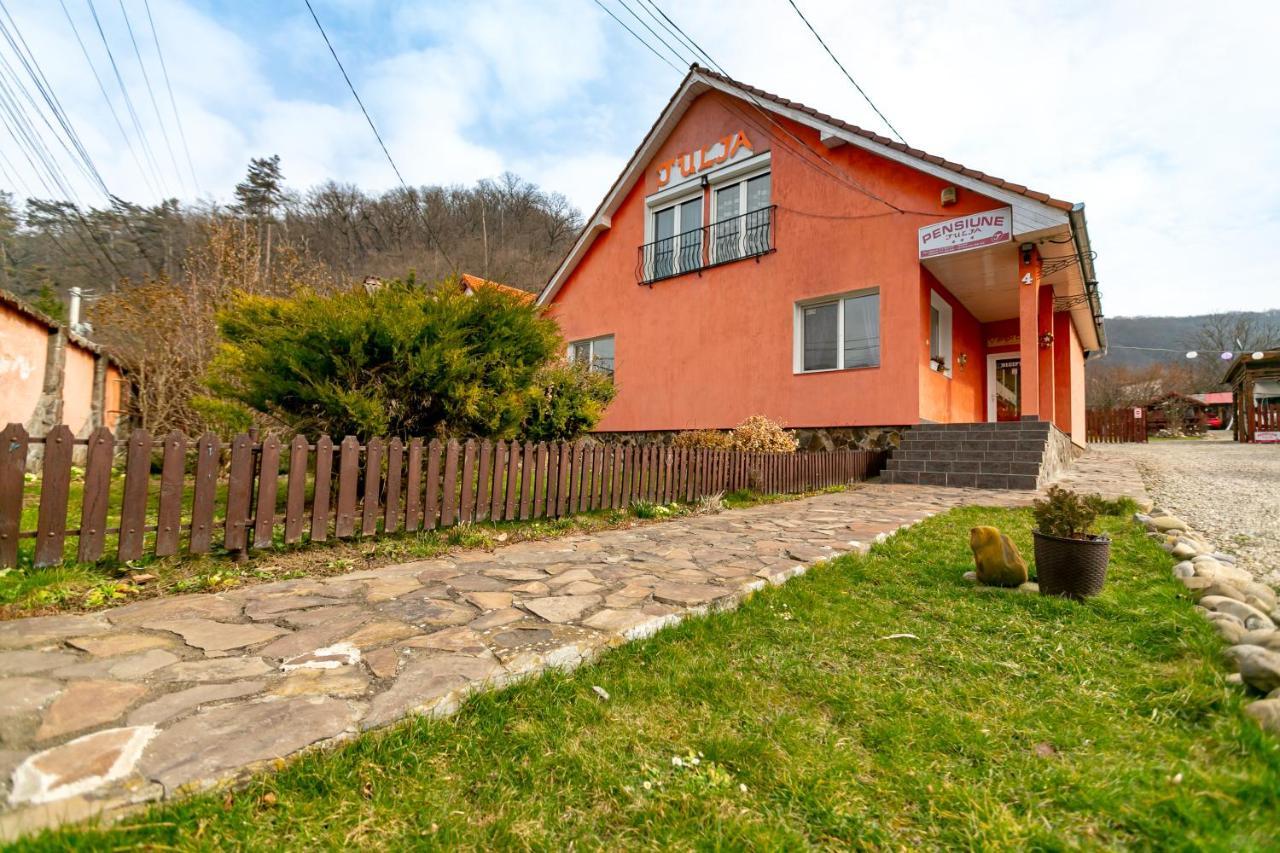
(498, 477)
(13, 468)
(97, 495)
(133, 504)
(484, 481)
(344, 522)
(295, 497)
(563, 478)
(513, 480)
(395, 474)
(264, 520)
(432, 503)
(320, 496)
(527, 477)
(239, 494)
(467, 504)
(413, 487)
(374, 450)
(539, 509)
(449, 499)
(204, 493)
(55, 487)
(169, 512)
(553, 479)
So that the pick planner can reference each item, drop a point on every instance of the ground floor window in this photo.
(939, 333)
(838, 333)
(596, 353)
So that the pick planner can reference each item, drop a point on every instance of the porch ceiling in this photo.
(986, 280)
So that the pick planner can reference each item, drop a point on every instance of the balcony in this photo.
(747, 236)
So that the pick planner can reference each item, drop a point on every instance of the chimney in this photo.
(73, 313)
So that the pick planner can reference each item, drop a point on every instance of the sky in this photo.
(1162, 117)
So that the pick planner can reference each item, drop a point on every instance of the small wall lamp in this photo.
(962, 359)
(1027, 249)
(1046, 340)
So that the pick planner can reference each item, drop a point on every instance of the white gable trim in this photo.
(1029, 216)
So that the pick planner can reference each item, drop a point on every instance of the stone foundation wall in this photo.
(812, 439)
(1059, 453)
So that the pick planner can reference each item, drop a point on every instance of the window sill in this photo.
(835, 370)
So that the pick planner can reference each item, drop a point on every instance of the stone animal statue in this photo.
(997, 558)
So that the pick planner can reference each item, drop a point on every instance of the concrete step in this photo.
(1008, 455)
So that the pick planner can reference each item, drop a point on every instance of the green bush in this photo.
(1064, 513)
(404, 361)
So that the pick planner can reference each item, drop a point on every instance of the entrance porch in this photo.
(1010, 324)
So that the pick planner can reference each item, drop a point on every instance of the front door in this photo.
(1004, 384)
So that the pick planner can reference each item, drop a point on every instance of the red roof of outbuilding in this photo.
(475, 282)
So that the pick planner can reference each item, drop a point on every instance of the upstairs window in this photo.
(742, 218)
(677, 234)
(839, 333)
(596, 353)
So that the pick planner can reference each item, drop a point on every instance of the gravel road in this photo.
(1229, 492)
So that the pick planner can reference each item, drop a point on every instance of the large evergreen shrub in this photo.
(404, 361)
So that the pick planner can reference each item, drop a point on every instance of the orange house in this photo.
(759, 257)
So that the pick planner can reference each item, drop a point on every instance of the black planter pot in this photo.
(1072, 568)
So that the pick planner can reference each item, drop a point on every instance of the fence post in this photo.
(13, 467)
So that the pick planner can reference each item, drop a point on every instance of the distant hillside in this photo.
(1169, 332)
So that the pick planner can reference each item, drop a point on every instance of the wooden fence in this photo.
(1266, 422)
(256, 494)
(1113, 426)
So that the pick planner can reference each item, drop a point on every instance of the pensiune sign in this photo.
(966, 232)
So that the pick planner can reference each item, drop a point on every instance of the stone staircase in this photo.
(1010, 455)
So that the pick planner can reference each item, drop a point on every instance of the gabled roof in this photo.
(1033, 211)
(932, 159)
(20, 306)
(471, 283)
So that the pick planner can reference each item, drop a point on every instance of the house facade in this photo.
(758, 257)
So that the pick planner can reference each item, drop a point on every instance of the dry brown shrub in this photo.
(704, 439)
(759, 434)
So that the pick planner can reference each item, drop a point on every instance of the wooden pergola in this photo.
(1256, 386)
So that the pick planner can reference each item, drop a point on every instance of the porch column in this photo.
(1028, 284)
(1045, 325)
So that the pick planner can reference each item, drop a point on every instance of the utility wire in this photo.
(840, 65)
(430, 231)
(177, 117)
(128, 102)
(133, 152)
(151, 93)
(637, 37)
(802, 149)
(677, 54)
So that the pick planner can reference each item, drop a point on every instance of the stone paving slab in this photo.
(101, 712)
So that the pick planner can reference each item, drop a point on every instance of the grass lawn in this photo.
(1011, 721)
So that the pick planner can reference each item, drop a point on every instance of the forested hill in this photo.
(1177, 333)
(505, 229)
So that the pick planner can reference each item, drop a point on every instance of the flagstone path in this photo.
(102, 711)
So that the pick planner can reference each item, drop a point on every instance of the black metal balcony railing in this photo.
(747, 236)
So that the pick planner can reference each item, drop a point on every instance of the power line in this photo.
(177, 117)
(677, 54)
(430, 231)
(151, 94)
(802, 150)
(840, 65)
(637, 37)
(133, 152)
(128, 102)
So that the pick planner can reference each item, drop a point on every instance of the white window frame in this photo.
(591, 354)
(738, 173)
(946, 335)
(676, 197)
(797, 361)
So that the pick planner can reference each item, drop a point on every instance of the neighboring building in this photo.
(759, 257)
(1255, 382)
(1219, 407)
(52, 375)
(1183, 414)
(471, 283)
